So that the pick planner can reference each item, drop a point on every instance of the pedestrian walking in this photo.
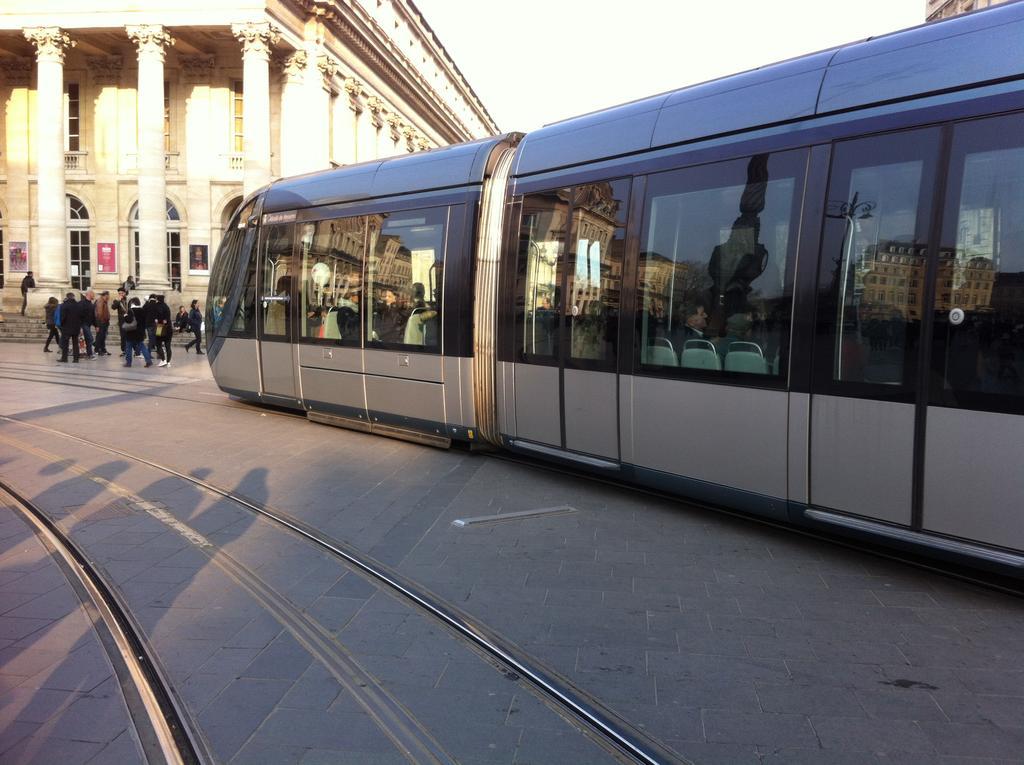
(52, 319)
(195, 323)
(70, 326)
(135, 333)
(88, 311)
(26, 284)
(102, 323)
(121, 306)
(162, 330)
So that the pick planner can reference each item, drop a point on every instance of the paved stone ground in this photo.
(731, 641)
(59, 698)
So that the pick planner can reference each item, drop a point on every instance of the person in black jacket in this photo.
(162, 330)
(26, 284)
(149, 309)
(88, 320)
(70, 326)
(51, 324)
(135, 333)
(121, 306)
(195, 323)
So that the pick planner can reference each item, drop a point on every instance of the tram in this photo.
(796, 292)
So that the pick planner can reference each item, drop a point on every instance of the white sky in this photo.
(537, 61)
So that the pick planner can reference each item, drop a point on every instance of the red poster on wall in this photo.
(106, 258)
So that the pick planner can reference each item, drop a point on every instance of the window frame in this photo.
(798, 160)
(300, 296)
(962, 145)
(933, 171)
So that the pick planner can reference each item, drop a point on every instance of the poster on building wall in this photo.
(18, 256)
(199, 258)
(106, 258)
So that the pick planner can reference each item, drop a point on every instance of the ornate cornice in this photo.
(152, 40)
(257, 37)
(350, 25)
(105, 70)
(51, 43)
(17, 71)
(197, 68)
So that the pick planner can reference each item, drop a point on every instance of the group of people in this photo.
(144, 328)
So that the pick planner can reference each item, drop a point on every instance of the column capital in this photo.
(422, 144)
(105, 69)
(396, 124)
(376, 107)
(293, 65)
(17, 71)
(51, 43)
(197, 68)
(257, 37)
(328, 67)
(151, 39)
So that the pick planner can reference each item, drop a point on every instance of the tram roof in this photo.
(455, 166)
(940, 56)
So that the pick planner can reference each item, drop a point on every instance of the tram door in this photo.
(972, 480)
(873, 277)
(569, 285)
(278, 277)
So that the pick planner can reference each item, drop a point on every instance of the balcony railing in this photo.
(74, 161)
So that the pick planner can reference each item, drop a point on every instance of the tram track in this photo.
(167, 733)
(614, 734)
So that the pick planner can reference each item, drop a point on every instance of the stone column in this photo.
(152, 41)
(51, 256)
(321, 77)
(346, 122)
(257, 39)
(295, 119)
(200, 163)
(376, 108)
(17, 73)
(105, 77)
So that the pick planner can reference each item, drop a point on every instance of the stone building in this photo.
(131, 130)
(943, 9)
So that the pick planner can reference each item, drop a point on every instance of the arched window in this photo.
(174, 225)
(79, 249)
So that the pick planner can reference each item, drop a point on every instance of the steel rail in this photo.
(166, 731)
(581, 706)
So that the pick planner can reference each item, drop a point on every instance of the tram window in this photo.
(332, 279)
(223, 276)
(542, 235)
(715, 273)
(979, 350)
(876, 222)
(595, 274)
(277, 274)
(404, 276)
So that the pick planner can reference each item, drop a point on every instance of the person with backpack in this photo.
(121, 306)
(52, 321)
(195, 323)
(134, 329)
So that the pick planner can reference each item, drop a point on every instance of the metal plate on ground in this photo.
(517, 516)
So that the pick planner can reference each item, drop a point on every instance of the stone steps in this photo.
(16, 328)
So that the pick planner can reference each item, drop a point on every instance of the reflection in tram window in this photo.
(223, 273)
(873, 258)
(278, 272)
(332, 287)
(595, 277)
(404, 276)
(715, 271)
(982, 276)
(538, 292)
